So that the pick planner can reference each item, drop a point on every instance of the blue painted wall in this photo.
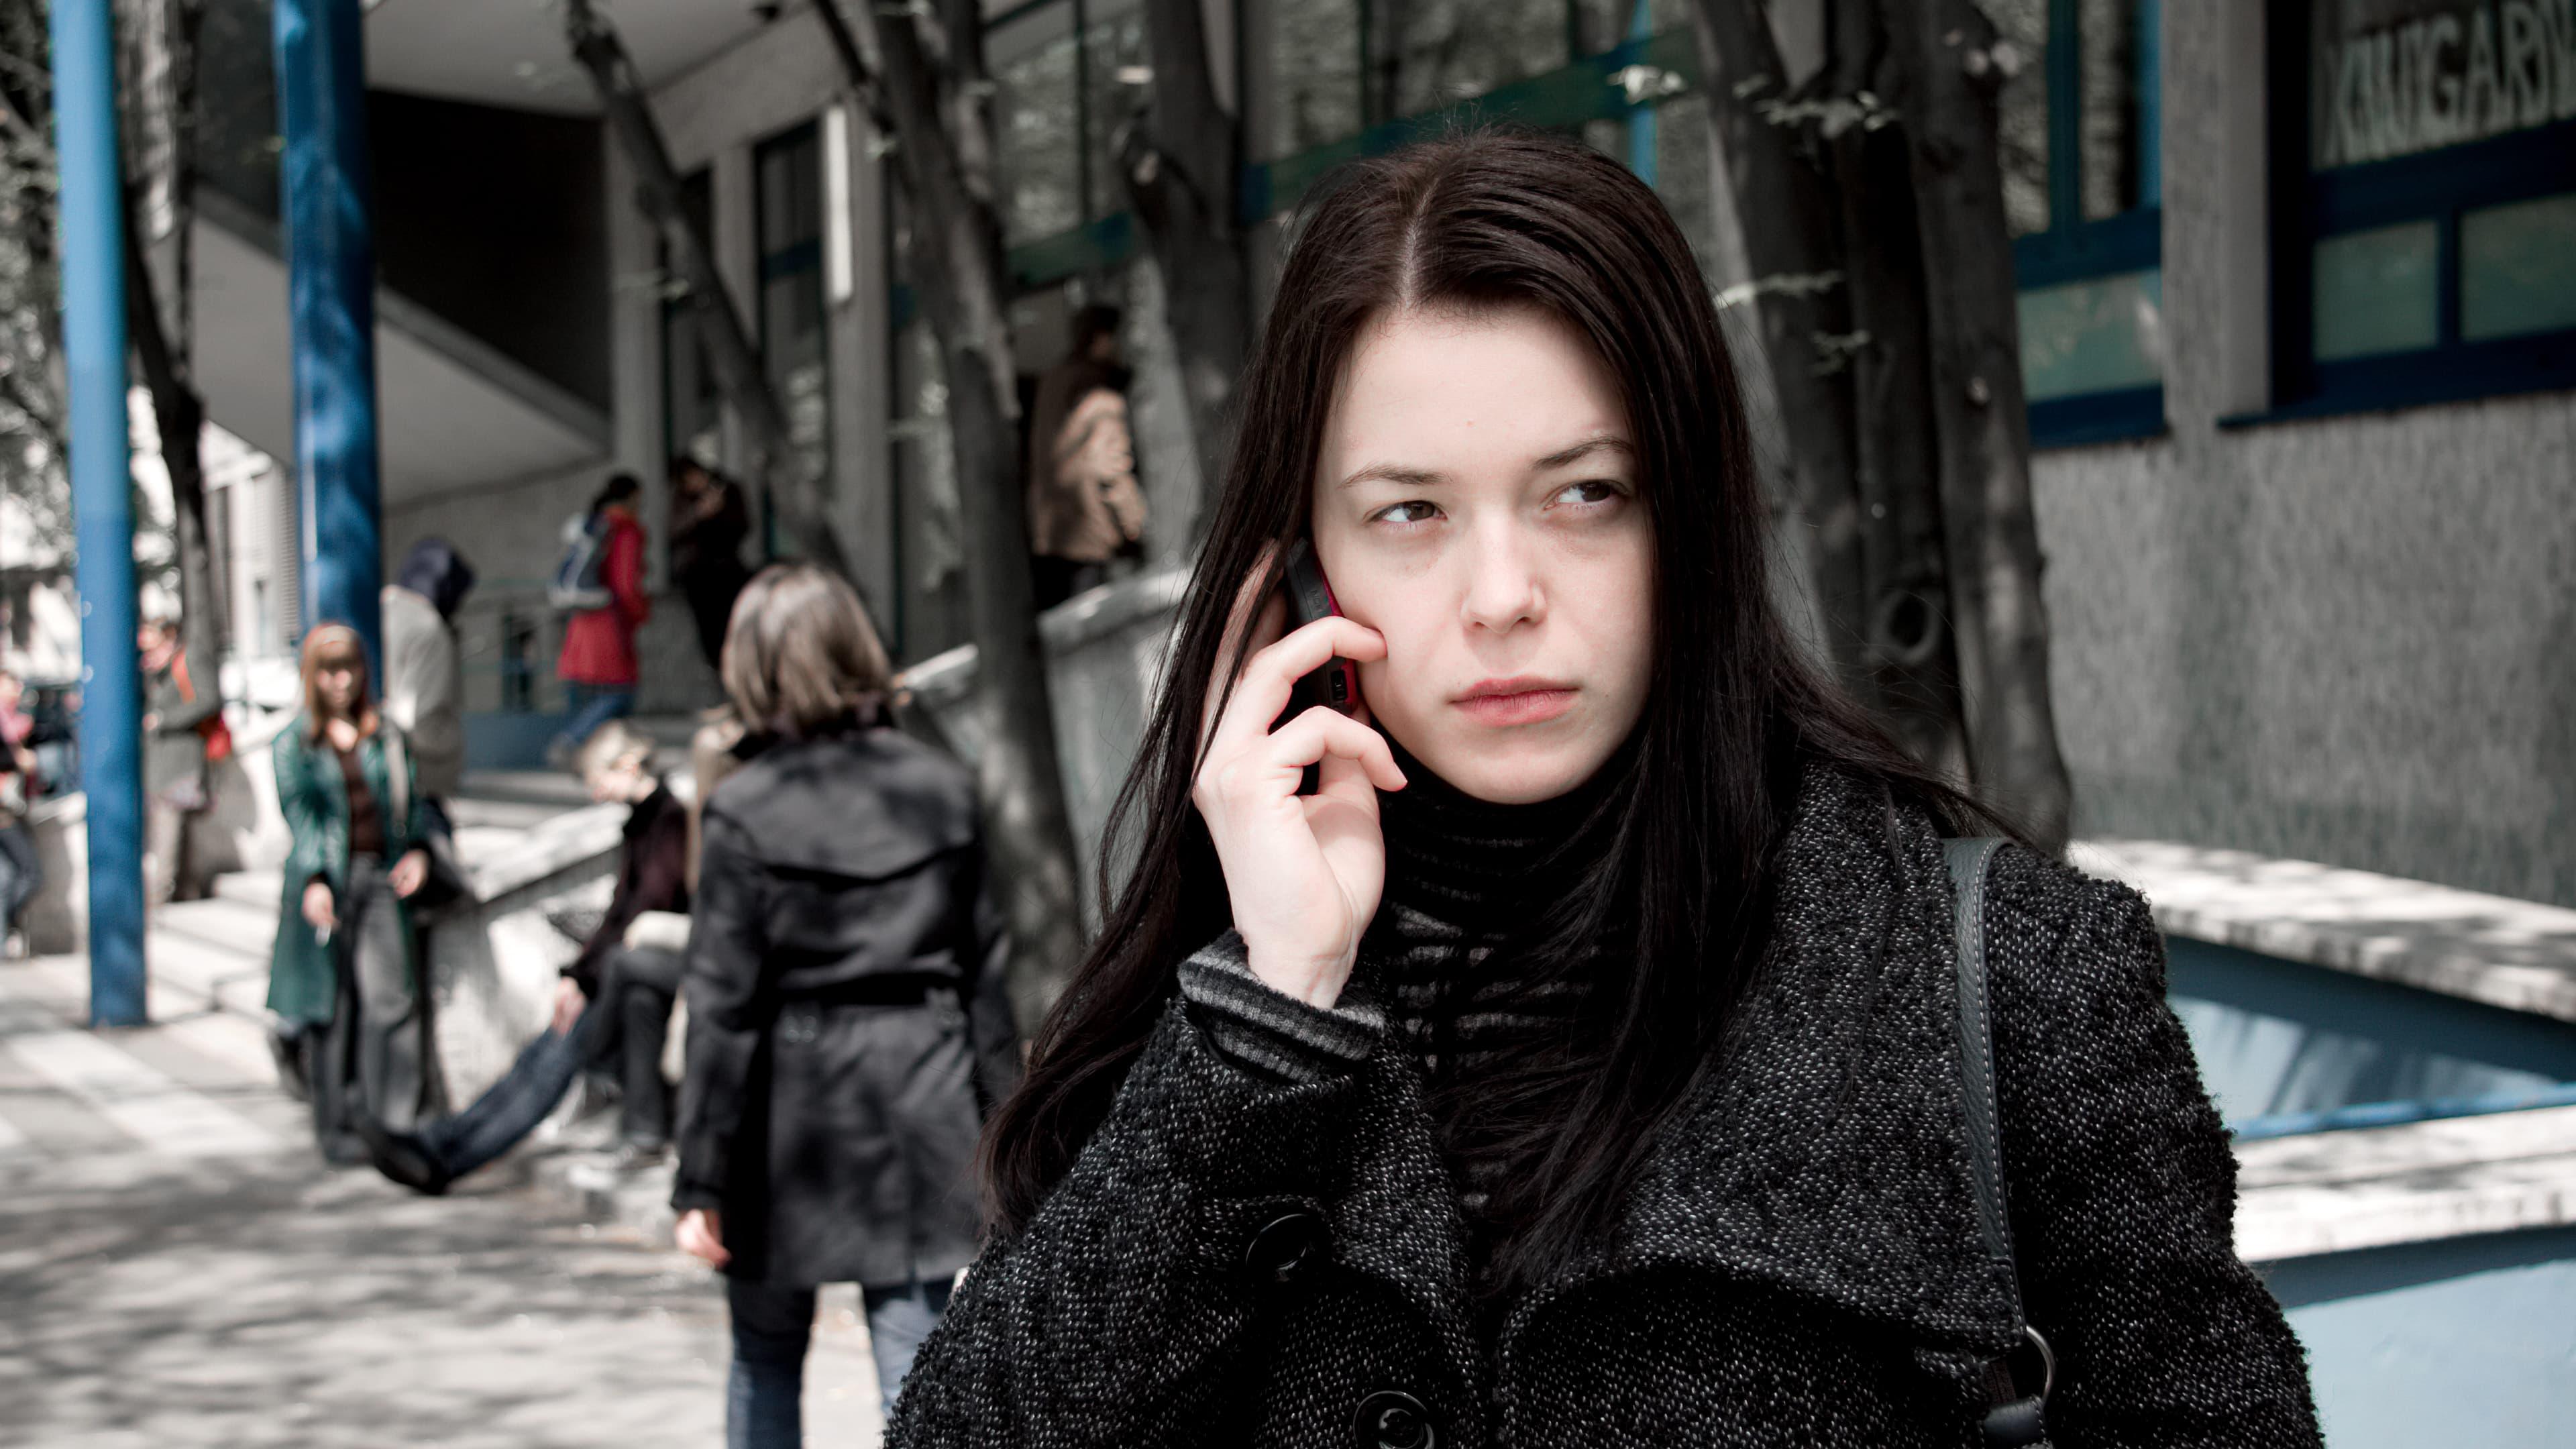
(2279, 1036)
(2471, 1341)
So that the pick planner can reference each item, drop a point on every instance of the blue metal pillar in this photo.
(93, 255)
(331, 305)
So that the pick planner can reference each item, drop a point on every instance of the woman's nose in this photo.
(1503, 589)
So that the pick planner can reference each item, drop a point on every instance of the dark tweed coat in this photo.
(1801, 1266)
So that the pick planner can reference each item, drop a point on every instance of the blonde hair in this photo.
(800, 653)
(329, 646)
(606, 746)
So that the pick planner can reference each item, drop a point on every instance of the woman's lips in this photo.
(1518, 706)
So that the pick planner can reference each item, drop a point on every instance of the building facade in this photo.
(2298, 323)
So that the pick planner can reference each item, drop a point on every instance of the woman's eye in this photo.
(1415, 511)
(1590, 491)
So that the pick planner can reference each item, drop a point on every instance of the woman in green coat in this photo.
(341, 977)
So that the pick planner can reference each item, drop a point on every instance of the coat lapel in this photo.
(1827, 1156)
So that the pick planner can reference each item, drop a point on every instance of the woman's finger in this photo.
(1322, 734)
(1270, 677)
(1257, 616)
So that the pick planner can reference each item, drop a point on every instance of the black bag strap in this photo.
(2013, 1418)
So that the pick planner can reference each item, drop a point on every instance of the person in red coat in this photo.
(597, 665)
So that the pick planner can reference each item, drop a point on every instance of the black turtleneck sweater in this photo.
(1464, 876)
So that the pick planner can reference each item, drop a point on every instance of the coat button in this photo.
(1393, 1419)
(1286, 1249)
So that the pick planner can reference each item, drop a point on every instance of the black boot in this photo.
(402, 1157)
(287, 1050)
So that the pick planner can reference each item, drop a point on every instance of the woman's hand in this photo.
(1303, 871)
(409, 873)
(317, 907)
(568, 1004)
(701, 1235)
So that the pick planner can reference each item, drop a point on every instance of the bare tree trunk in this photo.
(161, 104)
(1945, 73)
(1180, 168)
(1911, 650)
(1824, 197)
(920, 72)
(797, 489)
(1793, 243)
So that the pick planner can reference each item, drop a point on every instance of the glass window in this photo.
(2437, 225)
(2376, 291)
(692, 405)
(2077, 126)
(794, 331)
(1117, 88)
(2391, 78)
(2103, 334)
(1317, 76)
(2023, 118)
(2518, 268)
(1434, 53)
(1035, 64)
(2118, 89)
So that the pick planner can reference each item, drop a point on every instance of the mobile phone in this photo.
(1335, 682)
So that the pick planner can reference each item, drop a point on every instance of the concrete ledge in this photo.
(2519, 955)
(2335, 1192)
(1091, 616)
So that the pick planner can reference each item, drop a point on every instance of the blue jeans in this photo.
(771, 1327)
(591, 706)
(631, 1012)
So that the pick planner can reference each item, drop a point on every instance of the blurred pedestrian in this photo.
(709, 521)
(182, 719)
(613, 1006)
(424, 668)
(601, 579)
(342, 980)
(848, 1027)
(22, 871)
(1084, 503)
(425, 685)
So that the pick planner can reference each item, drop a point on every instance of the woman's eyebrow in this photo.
(1584, 449)
(1396, 473)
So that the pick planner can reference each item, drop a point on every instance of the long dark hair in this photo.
(1735, 710)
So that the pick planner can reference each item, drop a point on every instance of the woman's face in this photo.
(339, 687)
(1478, 503)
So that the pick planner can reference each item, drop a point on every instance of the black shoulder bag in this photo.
(2013, 1417)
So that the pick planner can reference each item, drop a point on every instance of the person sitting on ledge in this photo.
(613, 1007)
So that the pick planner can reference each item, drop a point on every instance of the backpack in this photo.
(577, 585)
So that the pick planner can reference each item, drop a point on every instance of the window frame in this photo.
(2307, 206)
(2074, 249)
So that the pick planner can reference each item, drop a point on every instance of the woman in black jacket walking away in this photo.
(848, 1025)
(1581, 1059)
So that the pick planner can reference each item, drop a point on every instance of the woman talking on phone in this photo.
(1587, 1059)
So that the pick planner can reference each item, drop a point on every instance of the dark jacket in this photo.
(652, 875)
(1800, 1264)
(848, 1023)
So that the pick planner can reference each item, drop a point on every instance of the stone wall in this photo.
(2347, 639)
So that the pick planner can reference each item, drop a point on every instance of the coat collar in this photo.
(1826, 1156)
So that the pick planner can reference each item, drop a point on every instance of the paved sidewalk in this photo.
(178, 1269)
